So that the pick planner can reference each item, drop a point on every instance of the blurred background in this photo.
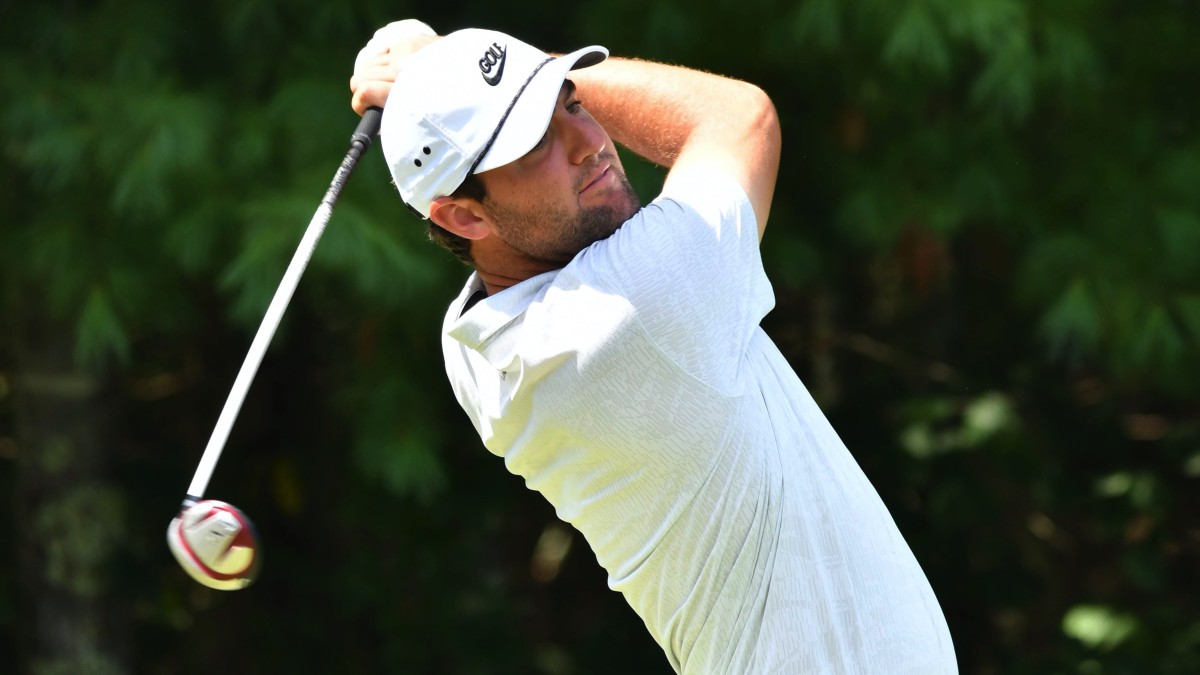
(985, 247)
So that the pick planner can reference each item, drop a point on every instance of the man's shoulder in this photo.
(704, 190)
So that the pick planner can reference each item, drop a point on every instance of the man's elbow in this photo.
(763, 140)
(765, 122)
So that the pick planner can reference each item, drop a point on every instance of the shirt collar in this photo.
(478, 324)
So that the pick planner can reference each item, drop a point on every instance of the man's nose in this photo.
(584, 138)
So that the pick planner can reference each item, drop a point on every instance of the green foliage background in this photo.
(986, 254)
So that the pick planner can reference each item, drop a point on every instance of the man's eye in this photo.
(574, 107)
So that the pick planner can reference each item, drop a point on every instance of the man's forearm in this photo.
(653, 108)
(674, 116)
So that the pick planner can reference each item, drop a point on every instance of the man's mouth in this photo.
(598, 177)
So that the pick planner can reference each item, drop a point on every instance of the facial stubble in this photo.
(555, 235)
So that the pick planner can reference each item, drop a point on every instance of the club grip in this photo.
(368, 128)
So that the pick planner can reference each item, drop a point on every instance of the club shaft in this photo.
(361, 141)
(258, 348)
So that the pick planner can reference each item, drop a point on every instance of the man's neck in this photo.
(495, 281)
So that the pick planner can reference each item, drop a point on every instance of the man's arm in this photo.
(686, 119)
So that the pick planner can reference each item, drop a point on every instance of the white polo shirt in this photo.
(636, 391)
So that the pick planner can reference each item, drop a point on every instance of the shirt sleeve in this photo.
(690, 266)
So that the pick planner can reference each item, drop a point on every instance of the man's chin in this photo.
(626, 203)
(602, 222)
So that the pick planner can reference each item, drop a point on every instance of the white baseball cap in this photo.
(471, 101)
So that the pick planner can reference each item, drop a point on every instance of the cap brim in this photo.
(530, 115)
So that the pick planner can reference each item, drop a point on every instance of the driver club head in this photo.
(216, 544)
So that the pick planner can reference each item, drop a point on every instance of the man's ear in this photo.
(464, 217)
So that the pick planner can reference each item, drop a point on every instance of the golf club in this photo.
(213, 541)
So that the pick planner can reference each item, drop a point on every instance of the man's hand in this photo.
(377, 62)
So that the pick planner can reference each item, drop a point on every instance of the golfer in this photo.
(611, 352)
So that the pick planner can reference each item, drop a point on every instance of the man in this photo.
(612, 353)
